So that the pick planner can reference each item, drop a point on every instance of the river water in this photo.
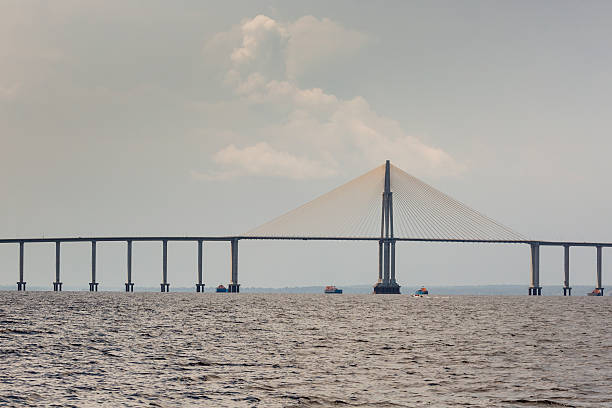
(258, 350)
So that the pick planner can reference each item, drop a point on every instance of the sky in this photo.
(211, 118)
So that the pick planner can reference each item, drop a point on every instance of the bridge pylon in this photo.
(386, 245)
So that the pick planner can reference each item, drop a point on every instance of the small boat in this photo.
(421, 292)
(332, 289)
(221, 289)
(595, 292)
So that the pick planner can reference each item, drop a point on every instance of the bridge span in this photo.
(349, 213)
(234, 286)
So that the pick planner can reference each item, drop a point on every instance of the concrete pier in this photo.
(234, 286)
(93, 285)
(200, 285)
(388, 284)
(386, 265)
(380, 262)
(21, 285)
(599, 263)
(535, 289)
(165, 286)
(129, 286)
(567, 290)
(392, 279)
(57, 285)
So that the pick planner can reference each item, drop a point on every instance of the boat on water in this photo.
(595, 292)
(421, 292)
(332, 289)
(221, 289)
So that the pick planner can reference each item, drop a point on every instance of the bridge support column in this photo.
(129, 286)
(386, 265)
(21, 285)
(199, 285)
(93, 285)
(535, 289)
(234, 286)
(384, 255)
(599, 262)
(392, 281)
(567, 290)
(388, 284)
(57, 285)
(380, 262)
(165, 286)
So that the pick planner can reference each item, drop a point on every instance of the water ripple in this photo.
(254, 350)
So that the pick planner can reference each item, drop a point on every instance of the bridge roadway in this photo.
(234, 286)
(250, 237)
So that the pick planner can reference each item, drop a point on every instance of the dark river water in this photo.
(256, 350)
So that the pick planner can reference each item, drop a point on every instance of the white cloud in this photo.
(289, 49)
(262, 159)
(328, 132)
(312, 42)
(257, 34)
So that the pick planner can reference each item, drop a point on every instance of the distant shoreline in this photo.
(551, 290)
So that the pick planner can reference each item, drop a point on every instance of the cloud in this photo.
(289, 50)
(262, 159)
(257, 35)
(262, 48)
(330, 133)
(312, 42)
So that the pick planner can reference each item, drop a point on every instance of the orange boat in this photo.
(332, 289)
(595, 292)
(421, 292)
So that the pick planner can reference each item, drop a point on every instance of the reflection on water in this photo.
(179, 349)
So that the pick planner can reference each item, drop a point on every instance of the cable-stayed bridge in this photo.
(386, 205)
(415, 210)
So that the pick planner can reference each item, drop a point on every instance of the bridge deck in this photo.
(296, 238)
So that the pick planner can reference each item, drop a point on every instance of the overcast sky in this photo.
(202, 118)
